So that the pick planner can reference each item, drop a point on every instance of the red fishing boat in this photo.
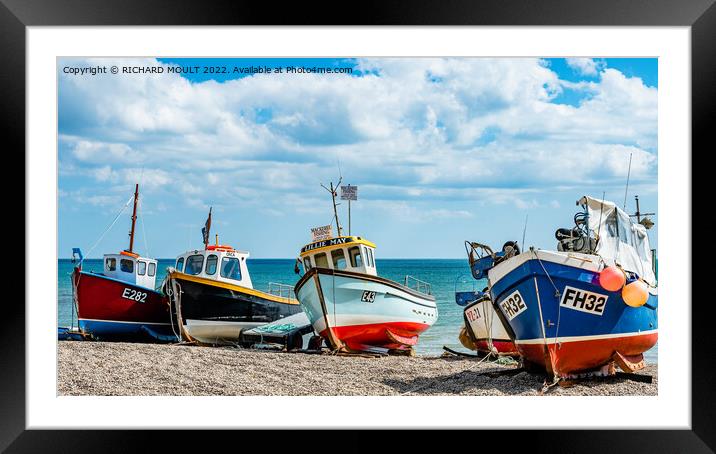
(121, 302)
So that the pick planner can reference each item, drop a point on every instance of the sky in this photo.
(442, 150)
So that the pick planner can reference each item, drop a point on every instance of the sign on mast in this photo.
(349, 193)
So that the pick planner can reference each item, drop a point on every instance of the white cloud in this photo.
(465, 129)
(412, 213)
(585, 66)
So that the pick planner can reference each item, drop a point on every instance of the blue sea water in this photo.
(445, 276)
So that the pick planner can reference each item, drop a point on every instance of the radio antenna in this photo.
(524, 231)
(627, 183)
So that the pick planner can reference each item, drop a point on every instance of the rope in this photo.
(556, 291)
(170, 295)
(111, 225)
(489, 314)
(557, 294)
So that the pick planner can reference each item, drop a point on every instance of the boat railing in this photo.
(282, 290)
(416, 284)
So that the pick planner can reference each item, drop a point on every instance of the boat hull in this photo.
(109, 309)
(216, 313)
(486, 329)
(561, 318)
(361, 312)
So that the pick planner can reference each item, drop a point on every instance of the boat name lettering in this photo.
(473, 314)
(582, 300)
(368, 296)
(513, 305)
(324, 243)
(134, 295)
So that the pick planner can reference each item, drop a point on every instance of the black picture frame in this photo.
(700, 15)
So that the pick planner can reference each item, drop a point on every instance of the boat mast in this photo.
(134, 218)
(332, 190)
(638, 215)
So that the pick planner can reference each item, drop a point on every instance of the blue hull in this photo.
(547, 306)
(617, 317)
(112, 330)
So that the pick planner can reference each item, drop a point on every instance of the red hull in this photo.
(505, 347)
(578, 356)
(117, 304)
(383, 335)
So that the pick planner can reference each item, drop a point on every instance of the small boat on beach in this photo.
(483, 330)
(213, 298)
(121, 302)
(352, 307)
(585, 308)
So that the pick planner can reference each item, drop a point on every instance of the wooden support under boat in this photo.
(398, 339)
(347, 352)
(629, 364)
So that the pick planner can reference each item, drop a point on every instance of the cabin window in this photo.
(141, 268)
(152, 269)
(126, 265)
(370, 257)
(231, 268)
(211, 262)
(307, 263)
(111, 264)
(194, 264)
(356, 259)
(180, 264)
(321, 260)
(339, 259)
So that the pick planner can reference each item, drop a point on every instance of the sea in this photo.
(446, 276)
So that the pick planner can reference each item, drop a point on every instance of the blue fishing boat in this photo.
(585, 308)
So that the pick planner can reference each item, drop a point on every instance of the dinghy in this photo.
(483, 330)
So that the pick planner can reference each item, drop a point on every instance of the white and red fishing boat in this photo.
(121, 302)
(483, 330)
(352, 307)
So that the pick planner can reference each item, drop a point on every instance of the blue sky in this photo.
(443, 150)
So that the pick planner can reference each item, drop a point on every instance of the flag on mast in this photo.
(205, 230)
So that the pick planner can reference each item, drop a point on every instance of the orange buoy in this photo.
(635, 294)
(612, 278)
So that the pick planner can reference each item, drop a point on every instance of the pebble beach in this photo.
(133, 369)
